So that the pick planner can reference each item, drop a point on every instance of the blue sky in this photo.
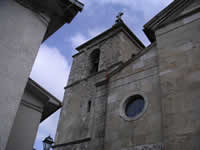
(52, 65)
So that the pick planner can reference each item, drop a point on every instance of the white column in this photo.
(21, 33)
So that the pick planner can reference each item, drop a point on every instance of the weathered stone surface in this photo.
(178, 49)
(166, 74)
(81, 146)
(81, 88)
(147, 147)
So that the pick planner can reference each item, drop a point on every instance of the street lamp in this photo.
(47, 142)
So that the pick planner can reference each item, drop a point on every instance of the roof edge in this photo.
(157, 20)
(114, 27)
(78, 4)
(162, 12)
(51, 105)
(42, 90)
(58, 19)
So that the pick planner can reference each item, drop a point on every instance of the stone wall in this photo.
(179, 52)
(74, 119)
(116, 48)
(78, 146)
(139, 77)
(147, 147)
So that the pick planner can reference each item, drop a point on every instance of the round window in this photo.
(133, 107)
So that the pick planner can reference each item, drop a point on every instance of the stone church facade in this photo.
(122, 95)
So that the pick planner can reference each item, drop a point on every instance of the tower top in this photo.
(116, 28)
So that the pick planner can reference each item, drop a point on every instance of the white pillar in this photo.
(21, 33)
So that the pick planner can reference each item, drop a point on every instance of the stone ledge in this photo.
(55, 12)
(147, 147)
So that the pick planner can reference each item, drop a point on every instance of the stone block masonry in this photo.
(163, 77)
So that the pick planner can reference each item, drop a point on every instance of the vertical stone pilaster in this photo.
(178, 53)
(100, 116)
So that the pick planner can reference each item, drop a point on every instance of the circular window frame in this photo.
(124, 103)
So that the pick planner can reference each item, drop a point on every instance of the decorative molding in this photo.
(124, 103)
(72, 143)
(32, 106)
(102, 82)
(30, 4)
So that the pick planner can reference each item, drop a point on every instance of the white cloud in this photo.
(134, 4)
(148, 7)
(51, 70)
(120, 2)
(95, 31)
(78, 39)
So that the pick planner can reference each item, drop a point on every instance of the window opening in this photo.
(94, 57)
(134, 106)
(89, 106)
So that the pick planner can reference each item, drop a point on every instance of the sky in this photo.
(52, 66)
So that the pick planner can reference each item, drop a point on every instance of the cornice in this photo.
(165, 17)
(31, 105)
(116, 28)
(55, 13)
(75, 142)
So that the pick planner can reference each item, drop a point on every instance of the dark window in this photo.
(135, 105)
(94, 58)
(89, 106)
(133, 55)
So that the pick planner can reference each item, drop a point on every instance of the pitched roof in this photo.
(117, 27)
(167, 15)
(51, 103)
(65, 12)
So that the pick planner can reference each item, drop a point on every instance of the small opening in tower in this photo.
(94, 58)
(133, 55)
(89, 106)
